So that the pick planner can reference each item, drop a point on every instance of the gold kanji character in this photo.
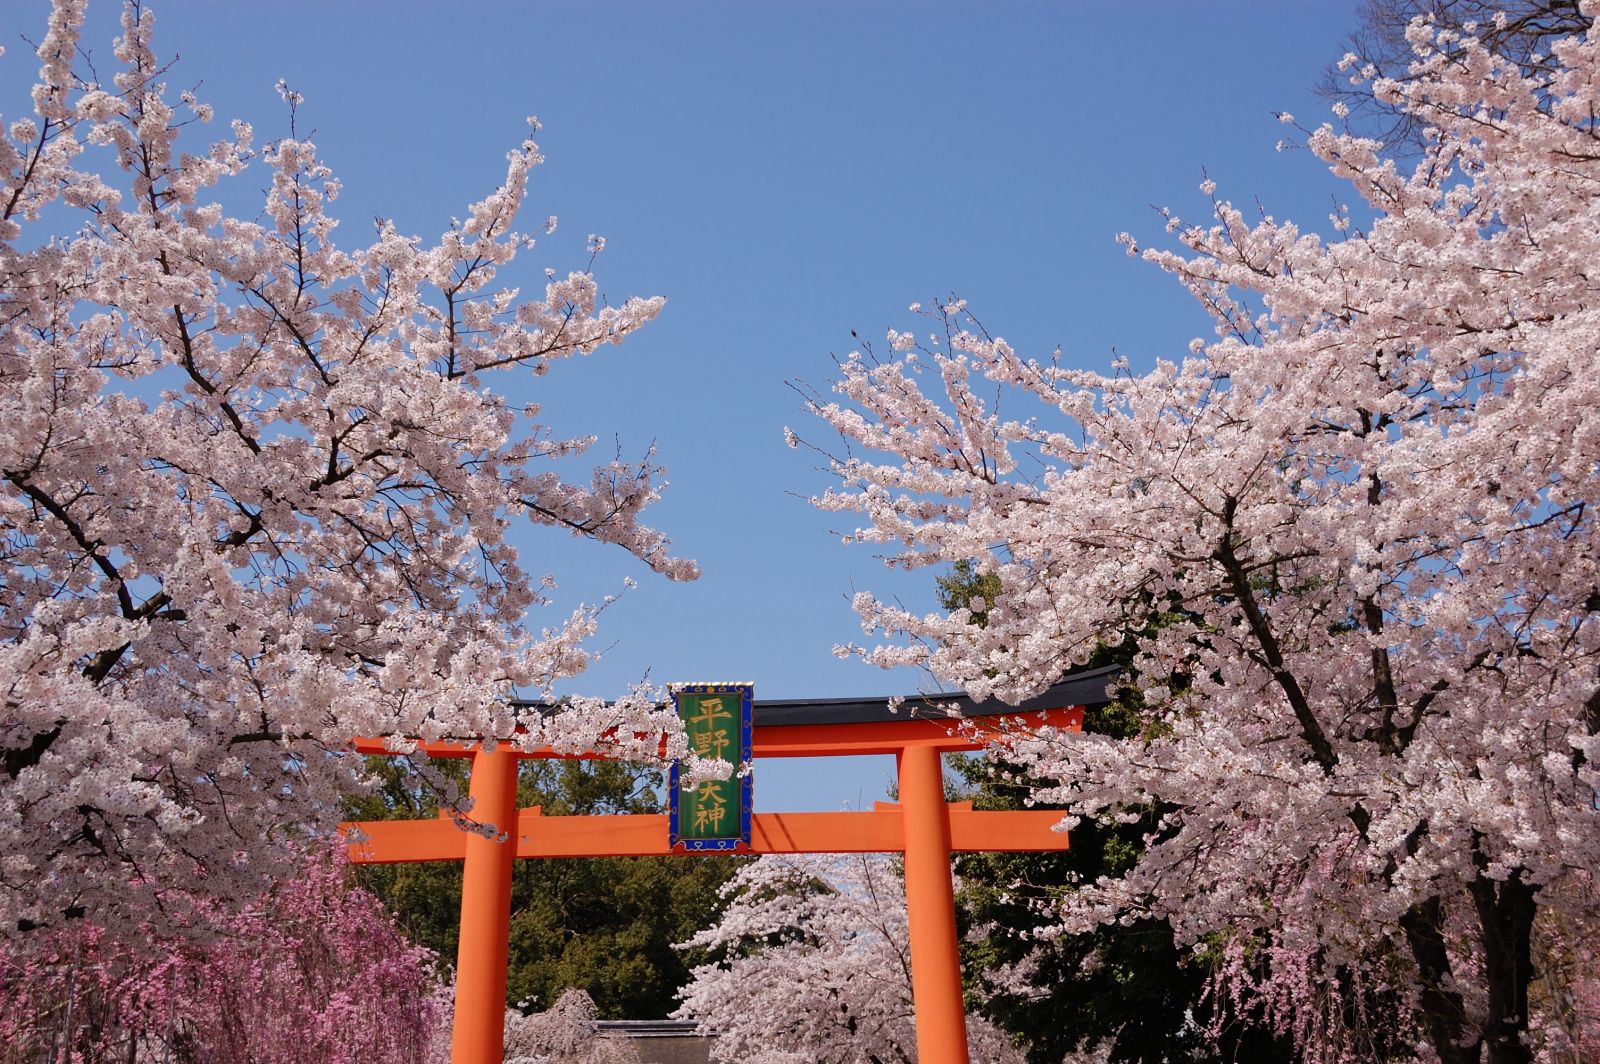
(711, 711)
(709, 809)
(712, 743)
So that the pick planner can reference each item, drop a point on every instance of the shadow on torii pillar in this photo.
(924, 827)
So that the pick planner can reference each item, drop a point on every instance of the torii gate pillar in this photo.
(930, 907)
(478, 1034)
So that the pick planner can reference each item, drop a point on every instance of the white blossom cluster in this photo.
(813, 966)
(257, 492)
(565, 1033)
(1354, 535)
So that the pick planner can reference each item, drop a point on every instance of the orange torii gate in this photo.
(922, 826)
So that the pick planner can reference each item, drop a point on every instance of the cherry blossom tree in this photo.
(565, 1033)
(1518, 30)
(1355, 532)
(1566, 997)
(257, 490)
(814, 967)
(314, 971)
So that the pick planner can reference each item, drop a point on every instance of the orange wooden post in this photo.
(479, 1033)
(930, 905)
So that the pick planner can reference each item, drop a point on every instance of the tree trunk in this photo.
(1443, 1015)
(1505, 915)
(1505, 912)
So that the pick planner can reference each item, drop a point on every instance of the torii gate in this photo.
(922, 826)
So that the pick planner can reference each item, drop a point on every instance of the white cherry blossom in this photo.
(811, 963)
(258, 492)
(1354, 534)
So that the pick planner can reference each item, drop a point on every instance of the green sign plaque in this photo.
(715, 816)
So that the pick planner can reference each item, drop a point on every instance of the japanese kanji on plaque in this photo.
(715, 816)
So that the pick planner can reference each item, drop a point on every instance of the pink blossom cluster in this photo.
(256, 490)
(316, 972)
(1566, 994)
(813, 966)
(1353, 536)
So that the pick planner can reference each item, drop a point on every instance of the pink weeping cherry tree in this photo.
(1352, 538)
(258, 488)
(314, 971)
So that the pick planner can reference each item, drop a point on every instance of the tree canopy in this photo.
(1368, 502)
(810, 964)
(256, 489)
(315, 970)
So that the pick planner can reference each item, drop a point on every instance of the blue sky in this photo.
(783, 173)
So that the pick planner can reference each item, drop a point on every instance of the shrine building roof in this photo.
(1091, 687)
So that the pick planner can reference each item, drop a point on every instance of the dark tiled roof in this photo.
(649, 1028)
(1089, 688)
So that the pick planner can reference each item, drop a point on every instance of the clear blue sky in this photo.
(783, 173)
